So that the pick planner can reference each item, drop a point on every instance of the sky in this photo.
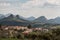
(26, 8)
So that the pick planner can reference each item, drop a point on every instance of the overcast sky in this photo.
(27, 8)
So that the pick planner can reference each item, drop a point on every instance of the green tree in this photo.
(29, 26)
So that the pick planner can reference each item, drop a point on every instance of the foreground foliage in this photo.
(53, 34)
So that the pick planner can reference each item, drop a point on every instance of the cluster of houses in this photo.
(21, 29)
(26, 29)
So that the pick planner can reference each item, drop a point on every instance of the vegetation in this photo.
(29, 26)
(52, 34)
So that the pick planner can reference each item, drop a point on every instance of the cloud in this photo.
(14, 1)
(33, 3)
(9, 0)
(30, 3)
(48, 8)
(57, 2)
(5, 4)
(41, 3)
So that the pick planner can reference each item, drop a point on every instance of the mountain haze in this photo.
(41, 19)
(31, 18)
(20, 20)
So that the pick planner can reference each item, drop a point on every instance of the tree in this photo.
(0, 27)
(29, 26)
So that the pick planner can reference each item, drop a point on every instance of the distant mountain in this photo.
(55, 21)
(13, 20)
(1, 16)
(6, 15)
(31, 18)
(51, 21)
(41, 19)
(21, 17)
(13, 23)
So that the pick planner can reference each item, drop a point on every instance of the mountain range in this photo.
(20, 20)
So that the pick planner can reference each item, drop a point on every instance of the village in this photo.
(24, 29)
(22, 32)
